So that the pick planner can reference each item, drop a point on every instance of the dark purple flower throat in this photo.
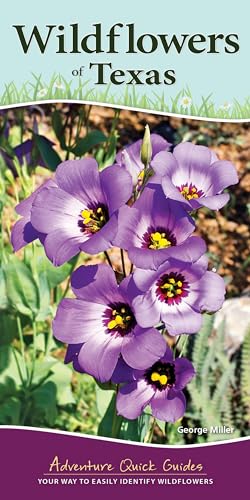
(161, 375)
(171, 288)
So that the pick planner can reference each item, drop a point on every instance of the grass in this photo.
(59, 89)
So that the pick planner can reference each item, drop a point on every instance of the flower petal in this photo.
(99, 355)
(72, 355)
(208, 293)
(102, 240)
(61, 245)
(168, 356)
(164, 163)
(122, 372)
(181, 318)
(117, 185)
(214, 202)
(184, 372)
(23, 233)
(189, 251)
(144, 279)
(53, 208)
(133, 398)
(76, 321)
(192, 158)
(168, 405)
(147, 309)
(80, 178)
(128, 219)
(173, 193)
(143, 348)
(158, 144)
(24, 207)
(223, 175)
(95, 284)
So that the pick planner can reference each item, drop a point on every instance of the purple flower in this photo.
(159, 386)
(23, 232)
(130, 157)
(193, 176)
(102, 318)
(72, 355)
(80, 214)
(28, 151)
(177, 293)
(155, 229)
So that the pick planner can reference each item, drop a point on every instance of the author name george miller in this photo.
(213, 429)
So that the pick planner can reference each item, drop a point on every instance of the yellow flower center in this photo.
(120, 319)
(157, 377)
(189, 193)
(172, 288)
(158, 241)
(161, 375)
(94, 219)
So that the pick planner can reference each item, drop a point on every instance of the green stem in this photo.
(49, 337)
(116, 424)
(184, 346)
(18, 367)
(22, 345)
(68, 283)
(34, 353)
(117, 420)
(108, 259)
(151, 432)
(176, 344)
(123, 263)
(67, 287)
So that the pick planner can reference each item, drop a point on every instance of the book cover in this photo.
(124, 250)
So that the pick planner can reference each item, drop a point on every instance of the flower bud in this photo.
(146, 148)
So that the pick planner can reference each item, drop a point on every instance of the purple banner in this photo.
(43, 465)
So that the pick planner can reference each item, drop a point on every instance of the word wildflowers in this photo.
(117, 327)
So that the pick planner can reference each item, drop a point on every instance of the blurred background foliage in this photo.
(36, 387)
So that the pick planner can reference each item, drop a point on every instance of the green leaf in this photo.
(5, 146)
(135, 430)
(8, 328)
(21, 287)
(7, 389)
(103, 398)
(48, 154)
(92, 139)
(58, 127)
(44, 297)
(10, 410)
(55, 275)
(111, 152)
(43, 368)
(41, 344)
(11, 362)
(130, 430)
(105, 426)
(161, 425)
(61, 377)
(44, 404)
(5, 358)
(3, 292)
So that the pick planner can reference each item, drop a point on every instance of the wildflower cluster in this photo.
(143, 204)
